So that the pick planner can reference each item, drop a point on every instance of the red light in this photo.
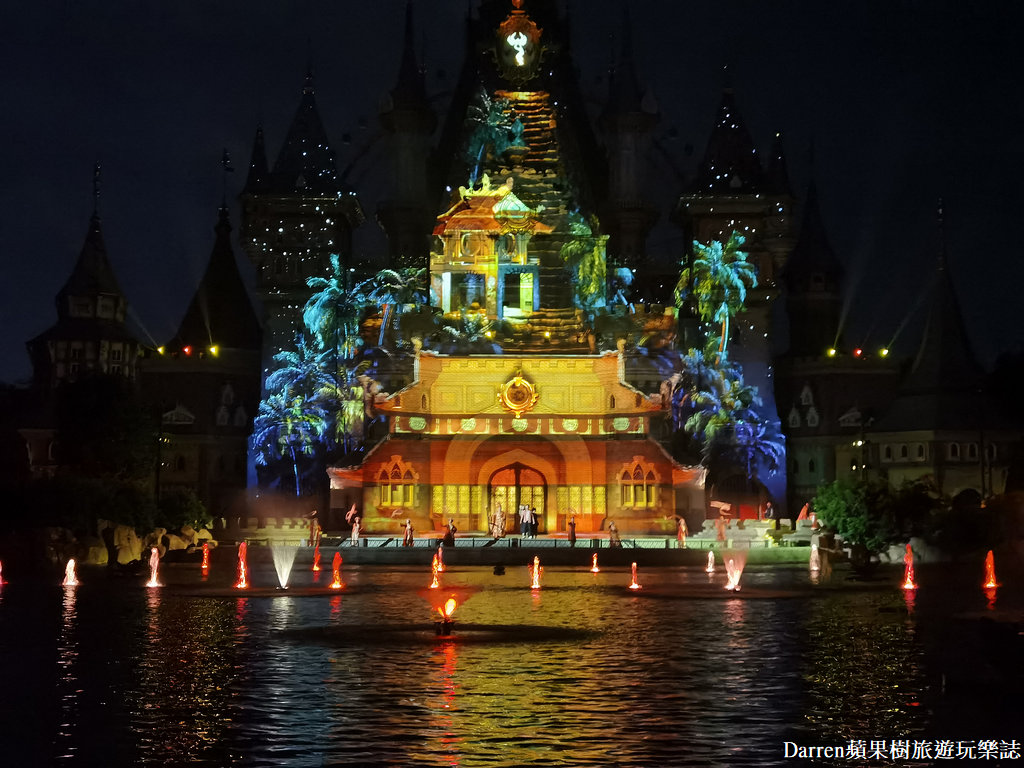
(858, 352)
(187, 350)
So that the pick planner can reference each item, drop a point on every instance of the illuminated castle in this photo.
(514, 178)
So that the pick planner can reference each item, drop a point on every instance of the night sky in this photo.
(905, 102)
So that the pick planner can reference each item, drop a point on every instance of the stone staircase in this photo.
(557, 331)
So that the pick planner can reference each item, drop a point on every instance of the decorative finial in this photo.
(96, 189)
(225, 163)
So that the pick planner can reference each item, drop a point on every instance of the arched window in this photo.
(972, 451)
(919, 453)
(887, 453)
(222, 416)
(397, 481)
(810, 466)
(953, 451)
(638, 484)
(904, 451)
(611, 402)
(990, 452)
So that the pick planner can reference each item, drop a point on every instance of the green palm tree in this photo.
(719, 279)
(395, 290)
(287, 425)
(584, 257)
(333, 312)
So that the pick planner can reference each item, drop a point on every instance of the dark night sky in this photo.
(906, 101)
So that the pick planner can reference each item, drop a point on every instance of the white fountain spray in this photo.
(154, 564)
(284, 559)
(70, 580)
(815, 561)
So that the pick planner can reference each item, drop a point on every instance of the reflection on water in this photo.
(682, 673)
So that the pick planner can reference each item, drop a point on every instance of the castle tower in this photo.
(732, 192)
(517, 114)
(90, 334)
(408, 212)
(206, 384)
(294, 216)
(812, 278)
(628, 118)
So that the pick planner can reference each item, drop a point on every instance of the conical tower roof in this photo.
(306, 161)
(624, 92)
(730, 164)
(813, 265)
(259, 171)
(92, 274)
(941, 391)
(410, 91)
(220, 312)
(776, 178)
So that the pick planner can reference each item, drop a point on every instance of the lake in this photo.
(581, 672)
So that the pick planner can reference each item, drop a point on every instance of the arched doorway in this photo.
(513, 485)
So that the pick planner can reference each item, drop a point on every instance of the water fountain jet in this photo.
(154, 565)
(284, 559)
(336, 567)
(70, 580)
(593, 567)
(908, 569)
(205, 566)
(711, 562)
(815, 562)
(440, 557)
(990, 571)
(535, 571)
(243, 569)
(633, 584)
(734, 564)
(434, 570)
(2, 582)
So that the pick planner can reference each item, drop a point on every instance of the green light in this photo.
(831, 352)
(883, 352)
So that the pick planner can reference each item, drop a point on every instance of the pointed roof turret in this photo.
(813, 265)
(92, 275)
(776, 179)
(259, 171)
(945, 358)
(220, 312)
(306, 160)
(624, 92)
(410, 91)
(942, 389)
(730, 163)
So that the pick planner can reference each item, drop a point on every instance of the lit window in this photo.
(397, 483)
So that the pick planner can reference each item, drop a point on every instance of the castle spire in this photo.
(259, 172)
(410, 89)
(220, 312)
(306, 161)
(777, 176)
(730, 163)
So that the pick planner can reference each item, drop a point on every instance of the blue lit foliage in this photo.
(333, 312)
(718, 279)
(711, 405)
(288, 425)
(495, 126)
(585, 262)
(395, 291)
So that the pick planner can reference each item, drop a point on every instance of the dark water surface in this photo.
(683, 674)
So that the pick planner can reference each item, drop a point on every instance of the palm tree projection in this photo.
(395, 290)
(288, 425)
(718, 278)
(495, 127)
(709, 401)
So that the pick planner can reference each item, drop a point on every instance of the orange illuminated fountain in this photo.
(154, 565)
(440, 557)
(990, 571)
(443, 603)
(633, 584)
(70, 580)
(711, 562)
(734, 563)
(2, 582)
(908, 569)
(336, 567)
(434, 570)
(594, 568)
(243, 569)
(815, 561)
(206, 558)
(316, 556)
(535, 572)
